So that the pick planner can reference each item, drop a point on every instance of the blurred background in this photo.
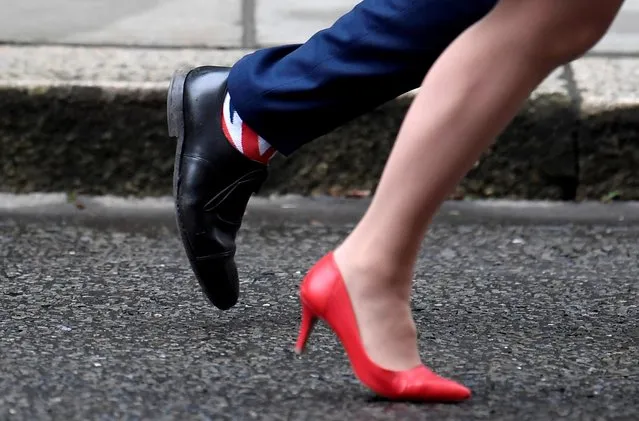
(212, 23)
(83, 89)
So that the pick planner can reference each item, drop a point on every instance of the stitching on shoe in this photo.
(226, 192)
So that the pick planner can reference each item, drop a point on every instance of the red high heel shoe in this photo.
(324, 295)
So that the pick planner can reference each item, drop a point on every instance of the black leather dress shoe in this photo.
(212, 181)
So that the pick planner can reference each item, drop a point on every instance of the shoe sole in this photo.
(175, 123)
(175, 120)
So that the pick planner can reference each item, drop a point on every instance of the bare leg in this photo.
(467, 99)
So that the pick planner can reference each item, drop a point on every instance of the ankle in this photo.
(371, 244)
(374, 273)
(244, 138)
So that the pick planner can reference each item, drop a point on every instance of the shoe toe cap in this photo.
(218, 278)
(424, 385)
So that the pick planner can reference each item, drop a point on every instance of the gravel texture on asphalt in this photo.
(103, 320)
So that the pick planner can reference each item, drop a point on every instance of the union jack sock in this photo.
(242, 137)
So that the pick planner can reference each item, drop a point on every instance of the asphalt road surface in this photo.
(101, 319)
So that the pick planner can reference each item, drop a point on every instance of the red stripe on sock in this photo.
(250, 143)
(268, 154)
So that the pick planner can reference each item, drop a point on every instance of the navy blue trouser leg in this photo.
(381, 49)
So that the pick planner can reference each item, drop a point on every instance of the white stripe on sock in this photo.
(263, 145)
(235, 127)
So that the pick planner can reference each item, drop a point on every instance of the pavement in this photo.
(83, 89)
(92, 121)
(101, 318)
(208, 23)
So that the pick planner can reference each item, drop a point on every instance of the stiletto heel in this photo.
(324, 295)
(308, 323)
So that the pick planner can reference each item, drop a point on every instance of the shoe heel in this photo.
(174, 103)
(309, 319)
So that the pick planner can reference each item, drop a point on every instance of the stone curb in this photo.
(576, 138)
(292, 208)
